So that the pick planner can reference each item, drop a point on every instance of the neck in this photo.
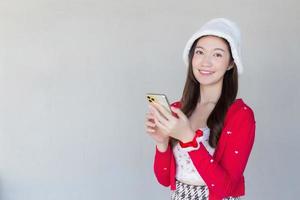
(210, 93)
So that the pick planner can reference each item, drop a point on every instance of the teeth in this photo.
(205, 72)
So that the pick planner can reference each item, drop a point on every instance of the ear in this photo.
(230, 66)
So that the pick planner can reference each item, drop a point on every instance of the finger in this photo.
(161, 126)
(149, 116)
(151, 124)
(150, 130)
(151, 108)
(163, 110)
(160, 118)
(150, 119)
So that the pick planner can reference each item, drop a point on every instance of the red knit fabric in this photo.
(222, 172)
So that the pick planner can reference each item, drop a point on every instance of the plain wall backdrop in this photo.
(73, 78)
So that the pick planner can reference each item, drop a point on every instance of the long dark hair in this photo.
(191, 95)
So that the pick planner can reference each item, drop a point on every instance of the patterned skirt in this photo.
(192, 192)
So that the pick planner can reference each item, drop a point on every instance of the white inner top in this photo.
(185, 169)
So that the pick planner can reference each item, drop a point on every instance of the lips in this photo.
(205, 72)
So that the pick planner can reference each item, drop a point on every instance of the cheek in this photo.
(194, 69)
(193, 62)
(222, 63)
(196, 60)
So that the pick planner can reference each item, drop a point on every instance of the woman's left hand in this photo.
(178, 128)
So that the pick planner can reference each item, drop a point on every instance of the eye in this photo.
(218, 55)
(199, 52)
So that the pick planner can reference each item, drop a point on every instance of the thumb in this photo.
(179, 113)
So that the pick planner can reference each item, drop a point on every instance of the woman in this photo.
(202, 148)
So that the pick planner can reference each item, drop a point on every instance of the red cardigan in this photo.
(222, 172)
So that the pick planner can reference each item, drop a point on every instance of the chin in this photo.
(211, 81)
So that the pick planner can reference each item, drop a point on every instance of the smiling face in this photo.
(211, 59)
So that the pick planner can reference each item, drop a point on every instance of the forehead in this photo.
(212, 42)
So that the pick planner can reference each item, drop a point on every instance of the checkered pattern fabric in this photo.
(193, 192)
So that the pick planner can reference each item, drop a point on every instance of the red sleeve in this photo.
(162, 162)
(223, 176)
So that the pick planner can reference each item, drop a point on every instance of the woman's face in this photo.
(210, 60)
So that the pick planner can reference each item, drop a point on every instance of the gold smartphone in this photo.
(159, 98)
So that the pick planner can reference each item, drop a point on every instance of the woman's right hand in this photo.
(161, 140)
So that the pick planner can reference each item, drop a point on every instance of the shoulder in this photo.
(239, 110)
(240, 122)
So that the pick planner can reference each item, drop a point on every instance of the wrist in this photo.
(193, 143)
(188, 136)
(162, 147)
(165, 141)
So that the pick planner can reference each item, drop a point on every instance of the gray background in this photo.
(73, 78)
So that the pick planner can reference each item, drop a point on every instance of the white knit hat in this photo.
(223, 28)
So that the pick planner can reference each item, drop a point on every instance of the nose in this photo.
(206, 62)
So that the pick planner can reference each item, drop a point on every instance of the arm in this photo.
(162, 162)
(222, 177)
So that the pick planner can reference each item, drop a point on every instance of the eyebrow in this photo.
(214, 48)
